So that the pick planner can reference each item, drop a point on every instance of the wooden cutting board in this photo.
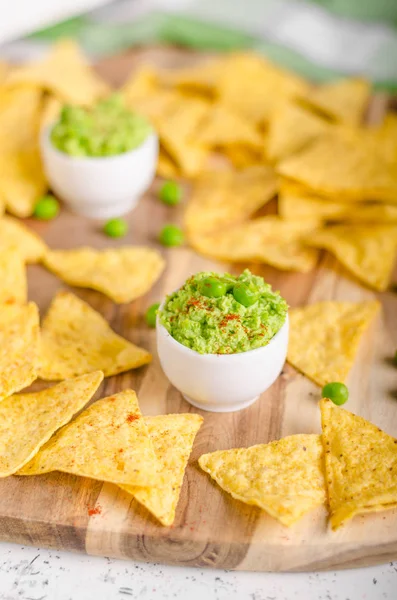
(211, 528)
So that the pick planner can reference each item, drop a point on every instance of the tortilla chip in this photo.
(224, 127)
(166, 166)
(75, 339)
(157, 106)
(122, 274)
(360, 464)
(228, 197)
(19, 347)
(253, 87)
(140, 84)
(367, 251)
(13, 284)
(202, 78)
(14, 235)
(172, 437)
(266, 240)
(344, 100)
(242, 156)
(343, 164)
(386, 137)
(22, 181)
(51, 111)
(295, 203)
(27, 421)
(177, 135)
(64, 73)
(291, 128)
(284, 478)
(324, 338)
(109, 441)
(19, 117)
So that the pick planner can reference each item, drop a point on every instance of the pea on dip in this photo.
(105, 129)
(224, 314)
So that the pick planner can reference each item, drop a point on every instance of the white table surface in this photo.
(38, 574)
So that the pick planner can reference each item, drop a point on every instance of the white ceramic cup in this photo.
(222, 382)
(100, 187)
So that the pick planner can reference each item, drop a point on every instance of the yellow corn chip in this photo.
(13, 284)
(177, 135)
(360, 464)
(324, 338)
(242, 156)
(122, 274)
(291, 128)
(224, 127)
(19, 117)
(295, 203)
(344, 100)
(202, 78)
(19, 347)
(266, 240)
(224, 198)
(343, 164)
(253, 87)
(51, 110)
(22, 181)
(27, 421)
(172, 437)
(14, 235)
(284, 478)
(367, 251)
(75, 339)
(157, 105)
(386, 137)
(166, 166)
(140, 84)
(109, 441)
(65, 73)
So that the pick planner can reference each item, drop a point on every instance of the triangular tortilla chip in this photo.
(344, 100)
(284, 478)
(22, 181)
(122, 274)
(297, 203)
(224, 127)
(324, 338)
(140, 84)
(15, 236)
(19, 347)
(51, 110)
(368, 251)
(27, 421)
(75, 339)
(345, 164)
(13, 284)
(109, 441)
(166, 167)
(172, 437)
(202, 78)
(266, 240)
(253, 87)
(360, 464)
(65, 73)
(291, 128)
(224, 198)
(19, 117)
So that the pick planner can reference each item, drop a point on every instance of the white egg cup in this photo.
(222, 382)
(100, 187)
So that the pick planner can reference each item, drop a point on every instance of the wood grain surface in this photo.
(211, 528)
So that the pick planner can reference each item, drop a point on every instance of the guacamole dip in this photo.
(224, 314)
(106, 129)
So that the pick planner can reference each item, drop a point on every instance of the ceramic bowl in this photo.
(103, 187)
(222, 382)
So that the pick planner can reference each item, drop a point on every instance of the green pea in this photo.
(170, 193)
(337, 392)
(116, 228)
(212, 287)
(151, 314)
(47, 208)
(171, 235)
(244, 294)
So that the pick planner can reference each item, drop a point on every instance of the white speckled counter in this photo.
(37, 574)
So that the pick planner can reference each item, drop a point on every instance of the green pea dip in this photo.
(106, 129)
(221, 324)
